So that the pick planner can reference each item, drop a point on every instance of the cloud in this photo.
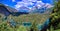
(32, 0)
(39, 4)
(25, 4)
(29, 0)
(13, 0)
(18, 5)
(31, 4)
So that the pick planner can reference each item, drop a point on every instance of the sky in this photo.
(27, 3)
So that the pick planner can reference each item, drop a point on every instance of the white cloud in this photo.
(25, 0)
(18, 5)
(29, 0)
(27, 3)
(38, 6)
(40, 2)
(32, 0)
(13, 0)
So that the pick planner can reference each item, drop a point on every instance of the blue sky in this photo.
(26, 3)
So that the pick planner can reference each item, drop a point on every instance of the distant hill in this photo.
(3, 10)
(41, 10)
(6, 10)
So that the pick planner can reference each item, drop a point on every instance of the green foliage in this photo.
(33, 18)
(56, 11)
(4, 26)
(34, 26)
(22, 28)
(55, 15)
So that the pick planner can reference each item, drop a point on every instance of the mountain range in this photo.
(6, 10)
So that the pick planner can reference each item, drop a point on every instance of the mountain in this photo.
(41, 10)
(36, 10)
(15, 12)
(6, 10)
(23, 9)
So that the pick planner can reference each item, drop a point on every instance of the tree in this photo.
(4, 26)
(34, 26)
(55, 15)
